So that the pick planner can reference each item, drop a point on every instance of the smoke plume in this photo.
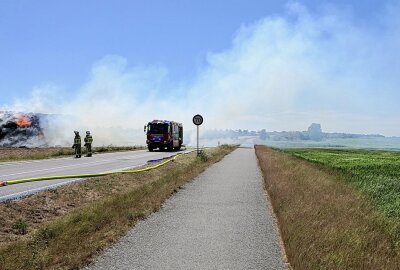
(280, 73)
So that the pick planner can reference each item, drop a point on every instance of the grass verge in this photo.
(375, 173)
(76, 222)
(325, 222)
(16, 154)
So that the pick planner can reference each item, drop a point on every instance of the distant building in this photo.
(315, 132)
(263, 135)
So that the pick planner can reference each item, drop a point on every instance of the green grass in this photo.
(21, 226)
(375, 173)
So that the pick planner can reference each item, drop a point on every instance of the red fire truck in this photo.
(164, 134)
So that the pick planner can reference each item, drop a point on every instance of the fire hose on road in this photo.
(148, 168)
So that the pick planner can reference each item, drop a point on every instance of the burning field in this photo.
(21, 130)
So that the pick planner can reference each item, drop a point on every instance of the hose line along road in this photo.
(66, 166)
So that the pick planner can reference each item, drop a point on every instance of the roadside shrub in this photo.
(202, 156)
(225, 146)
(112, 148)
(21, 226)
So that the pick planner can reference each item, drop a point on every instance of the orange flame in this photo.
(23, 122)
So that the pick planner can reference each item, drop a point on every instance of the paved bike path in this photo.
(218, 221)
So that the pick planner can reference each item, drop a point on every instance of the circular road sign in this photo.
(197, 119)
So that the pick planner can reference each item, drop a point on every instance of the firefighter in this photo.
(88, 144)
(77, 145)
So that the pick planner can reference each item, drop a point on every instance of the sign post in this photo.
(197, 120)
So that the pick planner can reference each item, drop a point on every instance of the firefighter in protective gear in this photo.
(77, 145)
(88, 144)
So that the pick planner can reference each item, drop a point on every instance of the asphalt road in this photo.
(66, 166)
(218, 221)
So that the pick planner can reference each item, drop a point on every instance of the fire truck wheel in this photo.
(170, 147)
(150, 148)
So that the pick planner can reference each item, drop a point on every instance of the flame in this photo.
(23, 122)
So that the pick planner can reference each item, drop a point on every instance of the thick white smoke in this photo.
(281, 73)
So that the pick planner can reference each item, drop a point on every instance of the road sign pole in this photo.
(198, 120)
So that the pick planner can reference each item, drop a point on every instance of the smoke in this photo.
(280, 73)
(285, 72)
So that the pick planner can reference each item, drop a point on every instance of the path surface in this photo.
(66, 166)
(218, 221)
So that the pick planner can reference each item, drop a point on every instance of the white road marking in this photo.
(73, 165)
(35, 190)
(10, 163)
(28, 192)
(21, 194)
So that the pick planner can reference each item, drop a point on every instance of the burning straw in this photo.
(20, 130)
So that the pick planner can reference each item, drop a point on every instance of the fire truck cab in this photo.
(163, 134)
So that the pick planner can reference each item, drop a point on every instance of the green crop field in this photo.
(375, 173)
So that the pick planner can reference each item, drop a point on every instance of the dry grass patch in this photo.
(68, 226)
(15, 154)
(324, 222)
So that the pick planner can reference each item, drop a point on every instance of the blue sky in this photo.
(58, 41)
(180, 48)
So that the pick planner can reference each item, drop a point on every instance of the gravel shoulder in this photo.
(218, 221)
